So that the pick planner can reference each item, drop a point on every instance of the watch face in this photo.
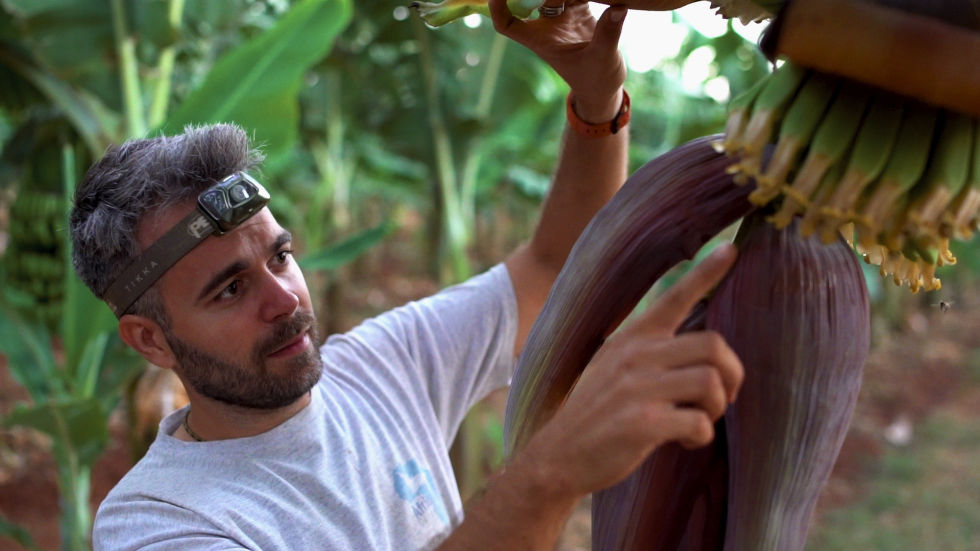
(233, 200)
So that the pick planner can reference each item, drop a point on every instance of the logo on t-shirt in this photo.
(415, 484)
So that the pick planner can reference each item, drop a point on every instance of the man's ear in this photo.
(146, 337)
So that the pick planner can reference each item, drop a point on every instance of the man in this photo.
(287, 446)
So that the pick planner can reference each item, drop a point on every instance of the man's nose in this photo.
(279, 298)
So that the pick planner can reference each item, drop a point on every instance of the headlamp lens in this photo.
(232, 201)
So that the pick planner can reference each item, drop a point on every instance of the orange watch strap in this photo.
(598, 130)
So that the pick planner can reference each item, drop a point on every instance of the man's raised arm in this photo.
(592, 163)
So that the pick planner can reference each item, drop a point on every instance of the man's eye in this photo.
(283, 256)
(231, 291)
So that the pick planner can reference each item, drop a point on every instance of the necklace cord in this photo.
(187, 428)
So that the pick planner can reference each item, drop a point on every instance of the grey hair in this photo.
(142, 176)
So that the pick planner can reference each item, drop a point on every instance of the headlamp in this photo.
(220, 209)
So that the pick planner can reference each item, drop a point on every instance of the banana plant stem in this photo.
(488, 87)
(128, 72)
(456, 232)
(911, 54)
(165, 68)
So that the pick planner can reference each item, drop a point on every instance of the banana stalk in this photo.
(797, 314)
(918, 56)
(663, 214)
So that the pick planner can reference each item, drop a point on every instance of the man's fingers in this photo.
(609, 28)
(705, 348)
(503, 20)
(690, 427)
(649, 358)
(700, 387)
(670, 310)
(654, 360)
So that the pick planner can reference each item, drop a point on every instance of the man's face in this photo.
(242, 329)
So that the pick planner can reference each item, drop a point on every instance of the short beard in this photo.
(252, 385)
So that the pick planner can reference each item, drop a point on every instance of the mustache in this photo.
(285, 331)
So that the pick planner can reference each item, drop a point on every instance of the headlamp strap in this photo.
(157, 259)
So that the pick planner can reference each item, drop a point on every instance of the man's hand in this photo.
(644, 387)
(582, 51)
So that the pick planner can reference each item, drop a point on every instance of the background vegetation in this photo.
(429, 150)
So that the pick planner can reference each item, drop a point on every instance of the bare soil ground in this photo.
(926, 360)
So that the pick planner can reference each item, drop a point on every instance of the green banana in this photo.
(830, 143)
(961, 218)
(946, 176)
(34, 259)
(739, 112)
(904, 168)
(767, 109)
(870, 154)
(795, 133)
(812, 217)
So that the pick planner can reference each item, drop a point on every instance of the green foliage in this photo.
(256, 83)
(967, 267)
(18, 534)
(72, 396)
(344, 97)
(666, 115)
(75, 73)
(78, 424)
(73, 392)
(347, 250)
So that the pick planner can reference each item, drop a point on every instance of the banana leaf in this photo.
(17, 533)
(257, 83)
(78, 424)
(347, 250)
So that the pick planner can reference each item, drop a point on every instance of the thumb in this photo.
(609, 28)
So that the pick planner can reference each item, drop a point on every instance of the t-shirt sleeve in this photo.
(450, 349)
(152, 525)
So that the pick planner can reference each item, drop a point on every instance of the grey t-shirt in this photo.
(364, 466)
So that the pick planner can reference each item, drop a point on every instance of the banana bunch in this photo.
(902, 175)
(35, 258)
